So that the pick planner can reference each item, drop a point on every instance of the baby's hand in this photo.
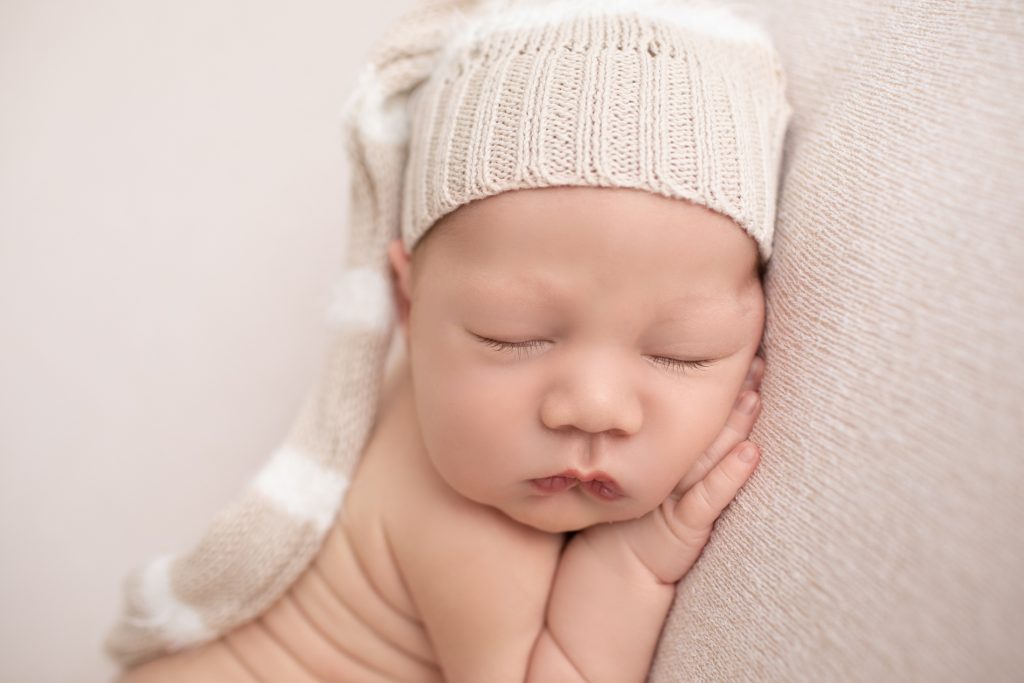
(668, 540)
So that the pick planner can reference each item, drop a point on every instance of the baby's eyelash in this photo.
(505, 346)
(678, 364)
(518, 347)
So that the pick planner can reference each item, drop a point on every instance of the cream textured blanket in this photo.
(880, 538)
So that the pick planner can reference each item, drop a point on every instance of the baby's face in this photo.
(554, 336)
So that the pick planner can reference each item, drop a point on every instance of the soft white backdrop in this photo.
(173, 189)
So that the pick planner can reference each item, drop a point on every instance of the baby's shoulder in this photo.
(480, 583)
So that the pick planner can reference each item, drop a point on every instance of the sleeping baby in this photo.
(566, 208)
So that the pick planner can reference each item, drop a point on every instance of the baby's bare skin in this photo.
(352, 615)
(446, 559)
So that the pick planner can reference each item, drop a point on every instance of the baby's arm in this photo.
(615, 582)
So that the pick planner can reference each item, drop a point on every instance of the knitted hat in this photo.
(459, 101)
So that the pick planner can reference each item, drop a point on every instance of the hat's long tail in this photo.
(256, 547)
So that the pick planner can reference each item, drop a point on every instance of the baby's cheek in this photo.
(460, 443)
(712, 411)
(687, 425)
(685, 435)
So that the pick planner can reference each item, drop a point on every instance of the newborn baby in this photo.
(568, 207)
(575, 356)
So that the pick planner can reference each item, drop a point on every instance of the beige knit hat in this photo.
(460, 101)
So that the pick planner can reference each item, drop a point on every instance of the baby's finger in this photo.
(755, 374)
(737, 428)
(697, 510)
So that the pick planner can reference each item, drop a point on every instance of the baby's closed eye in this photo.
(520, 349)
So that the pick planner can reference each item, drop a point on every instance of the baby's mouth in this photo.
(602, 489)
(597, 484)
(554, 484)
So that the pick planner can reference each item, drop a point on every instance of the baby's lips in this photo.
(553, 484)
(604, 490)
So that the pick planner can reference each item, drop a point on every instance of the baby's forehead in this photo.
(560, 238)
(654, 295)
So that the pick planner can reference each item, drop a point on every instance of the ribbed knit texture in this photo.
(460, 101)
(686, 103)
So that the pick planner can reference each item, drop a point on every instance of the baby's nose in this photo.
(593, 412)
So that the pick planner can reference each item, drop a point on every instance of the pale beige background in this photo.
(172, 203)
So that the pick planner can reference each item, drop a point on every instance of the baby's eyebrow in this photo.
(680, 306)
(514, 285)
(531, 288)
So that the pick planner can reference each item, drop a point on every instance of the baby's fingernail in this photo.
(746, 454)
(747, 403)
